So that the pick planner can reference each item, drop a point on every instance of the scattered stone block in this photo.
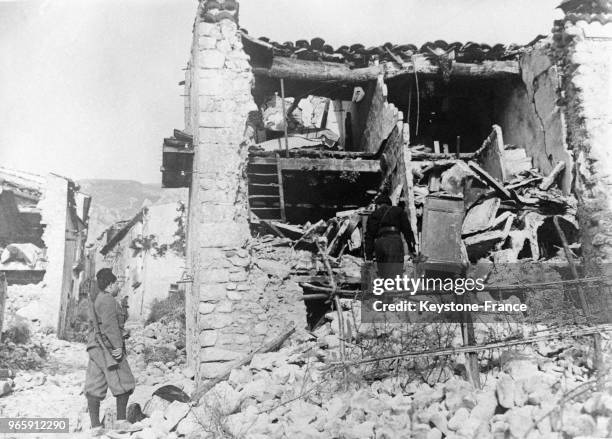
(5, 387)
(174, 413)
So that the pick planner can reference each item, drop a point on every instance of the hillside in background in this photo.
(116, 200)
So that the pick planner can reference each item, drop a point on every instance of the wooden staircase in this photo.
(265, 191)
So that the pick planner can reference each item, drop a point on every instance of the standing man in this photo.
(383, 238)
(108, 366)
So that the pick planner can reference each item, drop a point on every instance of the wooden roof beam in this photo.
(297, 69)
(323, 164)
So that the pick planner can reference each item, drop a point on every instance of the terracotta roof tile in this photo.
(358, 55)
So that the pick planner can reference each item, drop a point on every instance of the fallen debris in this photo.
(550, 178)
(494, 183)
(481, 216)
(270, 346)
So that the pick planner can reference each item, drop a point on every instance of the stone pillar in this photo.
(584, 51)
(220, 82)
(54, 216)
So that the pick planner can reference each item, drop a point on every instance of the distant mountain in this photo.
(116, 200)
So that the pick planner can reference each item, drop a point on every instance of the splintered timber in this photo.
(428, 306)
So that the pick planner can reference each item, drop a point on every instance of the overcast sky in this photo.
(89, 88)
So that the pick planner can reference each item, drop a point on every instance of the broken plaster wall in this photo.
(584, 50)
(229, 301)
(53, 206)
(530, 117)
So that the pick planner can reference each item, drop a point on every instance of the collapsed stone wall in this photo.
(228, 301)
(530, 116)
(584, 49)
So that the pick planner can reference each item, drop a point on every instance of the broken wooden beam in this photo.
(548, 181)
(345, 294)
(570, 262)
(498, 186)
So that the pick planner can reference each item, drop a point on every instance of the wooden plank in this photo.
(491, 154)
(572, 265)
(441, 240)
(254, 197)
(550, 178)
(410, 206)
(281, 192)
(290, 231)
(333, 165)
(490, 179)
(263, 160)
(469, 339)
(270, 346)
(292, 142)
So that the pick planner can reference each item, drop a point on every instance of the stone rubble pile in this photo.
(46, 379)
(52, 385)
(28, 355)
(23, 302)
(290, 393)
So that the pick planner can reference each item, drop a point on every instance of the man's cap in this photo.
(106, 276)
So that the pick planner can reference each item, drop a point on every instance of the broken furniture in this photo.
(441, 246)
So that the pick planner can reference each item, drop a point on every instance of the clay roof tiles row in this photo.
(318, 50)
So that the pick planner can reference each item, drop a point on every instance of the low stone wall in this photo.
(253, 299)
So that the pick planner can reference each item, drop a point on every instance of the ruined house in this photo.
(43, 229)
(145, 254)
(400, 112)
